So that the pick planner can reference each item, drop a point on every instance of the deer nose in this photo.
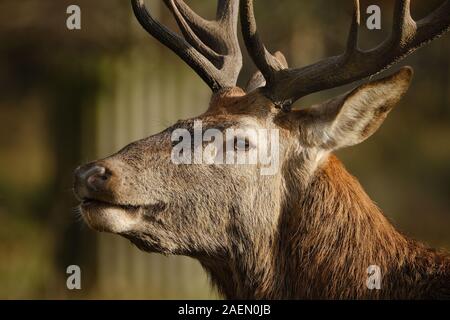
(91, 178)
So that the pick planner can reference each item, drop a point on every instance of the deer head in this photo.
(230, 216)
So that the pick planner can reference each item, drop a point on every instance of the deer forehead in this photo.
(235, 102)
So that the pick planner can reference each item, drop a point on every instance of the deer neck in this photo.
(328, 234)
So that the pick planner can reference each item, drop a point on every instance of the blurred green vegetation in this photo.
(51, 81)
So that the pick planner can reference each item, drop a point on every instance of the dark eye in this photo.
(241, 144)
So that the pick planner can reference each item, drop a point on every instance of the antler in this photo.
(285, 86)
(211, 48)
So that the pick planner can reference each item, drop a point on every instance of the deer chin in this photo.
(114, 217)
(110, 217)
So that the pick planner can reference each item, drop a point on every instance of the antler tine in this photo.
(403, 25)
(197, 22)
(211, 48)
(264, 60)
(213, 34)
(352, 41)
(288, 85)
(435, 24)
(228, 12)
(185, 19)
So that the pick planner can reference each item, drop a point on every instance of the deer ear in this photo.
(355, 116)
(257, 80)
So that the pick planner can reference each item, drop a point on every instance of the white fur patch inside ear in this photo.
(360, 113)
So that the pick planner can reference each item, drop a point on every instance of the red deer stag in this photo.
(307, 231)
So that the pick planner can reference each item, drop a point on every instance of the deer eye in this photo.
(241, 144)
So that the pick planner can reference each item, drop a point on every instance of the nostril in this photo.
(94, 177)
(94, 170)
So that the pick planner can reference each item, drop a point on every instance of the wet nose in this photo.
(91, 178)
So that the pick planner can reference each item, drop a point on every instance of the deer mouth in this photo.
(94, 204)
(89, 203)
(115, 217)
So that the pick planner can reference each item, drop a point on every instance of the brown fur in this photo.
(348, 233)
(309, 231)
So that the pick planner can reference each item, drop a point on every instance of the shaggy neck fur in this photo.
(328, 234)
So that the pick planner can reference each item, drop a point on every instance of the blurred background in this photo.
(67, 97)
